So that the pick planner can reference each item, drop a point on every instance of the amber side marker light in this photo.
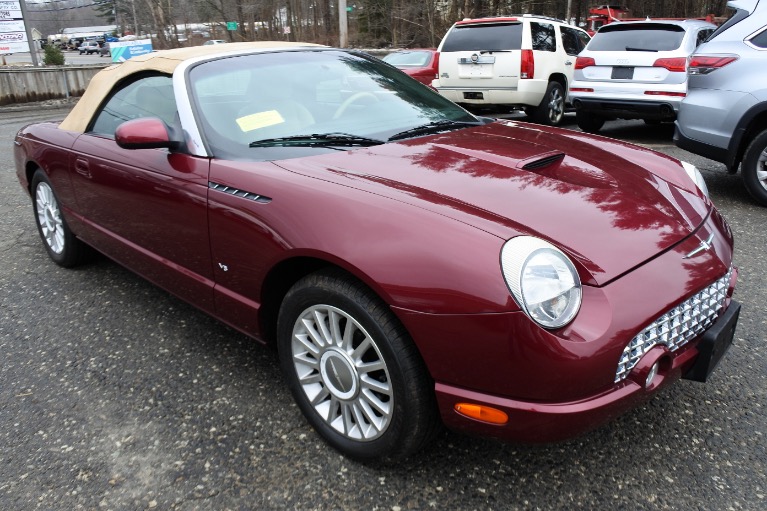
(482, 413)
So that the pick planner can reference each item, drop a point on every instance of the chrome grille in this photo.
(678, 326)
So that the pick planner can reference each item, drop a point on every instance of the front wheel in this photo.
(62, 245)
(754, 168)
(552, 108)
(353, 370)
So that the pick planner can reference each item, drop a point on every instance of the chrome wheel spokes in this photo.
(556, 106)
(761, 169)
(49, 218)
(342, 372)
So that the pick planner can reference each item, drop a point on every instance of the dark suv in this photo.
(724, 116)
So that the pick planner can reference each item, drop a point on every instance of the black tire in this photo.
(754, 168)
(552, 108)
(400, 384)
(589, 122)
(62, 245)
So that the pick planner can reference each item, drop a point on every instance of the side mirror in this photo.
(146, 133)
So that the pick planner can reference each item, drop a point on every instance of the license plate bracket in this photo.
(714, 344)
(622, 73)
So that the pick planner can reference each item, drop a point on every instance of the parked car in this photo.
(421, 64)
(634, 70)
(89, 47)
(411, 262)
(521, 62)
(724, 116)
(105, 50)
(214, 41)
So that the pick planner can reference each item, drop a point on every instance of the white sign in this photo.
(11, 26)
(14, 47)
(13, 35)
(10, 14)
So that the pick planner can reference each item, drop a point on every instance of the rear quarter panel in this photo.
(46, 147)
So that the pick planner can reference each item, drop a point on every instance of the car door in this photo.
(145, 208)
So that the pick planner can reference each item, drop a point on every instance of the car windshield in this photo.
(645, 37)
(408, 58)
(288, 104)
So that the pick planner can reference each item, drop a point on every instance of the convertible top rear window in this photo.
(638, 37)
(488, 36)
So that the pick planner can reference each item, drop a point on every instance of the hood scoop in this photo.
(542, 161)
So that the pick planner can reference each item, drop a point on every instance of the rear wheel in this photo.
(754, 168)
(552, 108)
(353, 370)
(589, 122)
(59, 241)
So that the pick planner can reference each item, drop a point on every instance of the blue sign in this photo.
(124, 50)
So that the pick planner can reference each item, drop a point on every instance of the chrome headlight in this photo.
(542, 280)
(696, 176)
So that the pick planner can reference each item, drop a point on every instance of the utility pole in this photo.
(30, 41)
(343, 24)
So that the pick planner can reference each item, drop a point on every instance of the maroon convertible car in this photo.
(413, 264)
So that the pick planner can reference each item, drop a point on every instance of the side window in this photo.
(544, 37)
(151, 96)
(571, 41)
(584, 38)
(760, 40)
(703, 35)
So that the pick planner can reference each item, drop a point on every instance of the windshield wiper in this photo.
(432, 127)
(318, 140)
(629, 48)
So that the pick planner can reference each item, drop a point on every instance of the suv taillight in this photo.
(677, 65)
(527, 67)
(705, 64)
(583, 62)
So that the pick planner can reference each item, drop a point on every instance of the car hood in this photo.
(610, 205)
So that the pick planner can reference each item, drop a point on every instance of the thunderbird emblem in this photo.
(704, 245)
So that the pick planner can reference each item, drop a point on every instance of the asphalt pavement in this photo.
(115, 395)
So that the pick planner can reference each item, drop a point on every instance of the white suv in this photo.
(520, 61)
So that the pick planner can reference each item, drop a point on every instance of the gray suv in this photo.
(724, 116)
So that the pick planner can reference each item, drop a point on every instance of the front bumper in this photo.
(548, 422)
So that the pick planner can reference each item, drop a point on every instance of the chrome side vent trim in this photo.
(543, 162)
(261, 199)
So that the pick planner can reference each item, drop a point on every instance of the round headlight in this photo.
(542, 280)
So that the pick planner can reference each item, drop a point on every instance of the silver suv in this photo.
(634, 70)
(724, 116)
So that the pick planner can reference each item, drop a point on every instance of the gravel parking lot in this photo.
(116, 395)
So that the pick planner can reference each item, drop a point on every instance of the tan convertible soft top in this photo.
(164, 61)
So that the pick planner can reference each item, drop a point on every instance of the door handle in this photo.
(82, 167)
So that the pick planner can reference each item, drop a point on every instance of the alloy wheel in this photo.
(342, 373)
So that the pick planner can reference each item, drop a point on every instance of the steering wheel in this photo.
(352, 99)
